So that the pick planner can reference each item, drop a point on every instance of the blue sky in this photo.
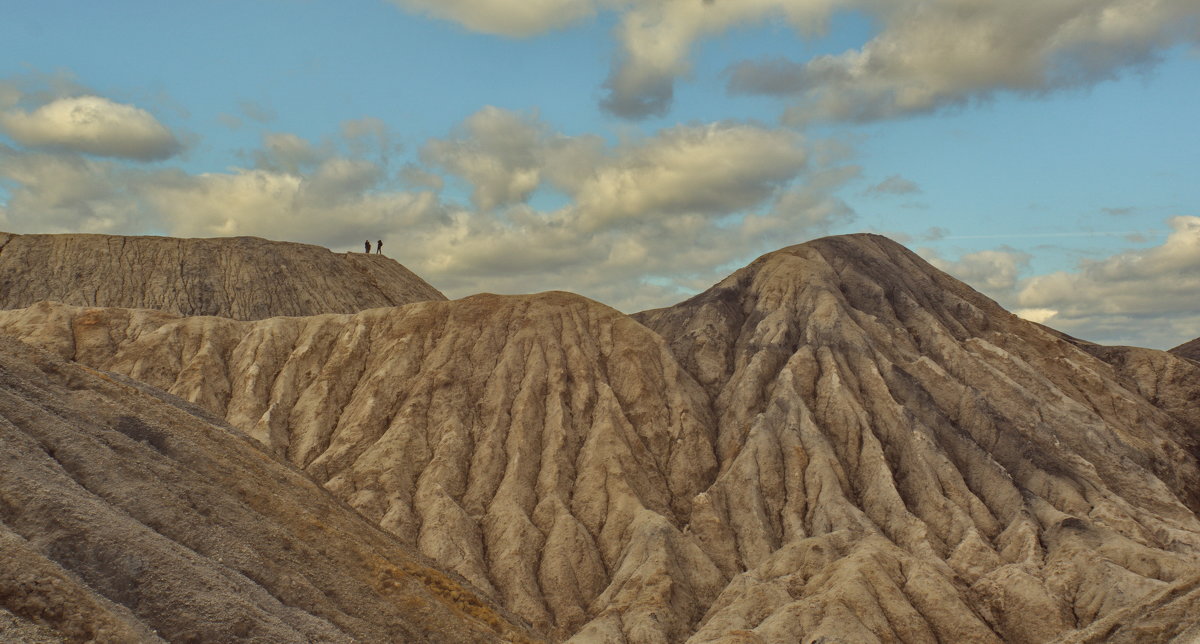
(634, 151)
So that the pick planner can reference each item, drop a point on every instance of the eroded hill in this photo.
(244, 278)
(838, 441)
(128, 516)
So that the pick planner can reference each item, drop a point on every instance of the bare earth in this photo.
(837, 443)
(245, 278)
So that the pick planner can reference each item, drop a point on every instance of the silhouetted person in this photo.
(378, 247)
(367, 245)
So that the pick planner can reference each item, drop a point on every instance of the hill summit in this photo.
(243, 278)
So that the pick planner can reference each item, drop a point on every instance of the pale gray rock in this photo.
(127, 515)
(838, 443)
(244, 278)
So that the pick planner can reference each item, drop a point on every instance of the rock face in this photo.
(837, 443)
(1190, 350)
(245, 278)
(130, 516)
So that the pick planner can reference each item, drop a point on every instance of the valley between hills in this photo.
(218, 440)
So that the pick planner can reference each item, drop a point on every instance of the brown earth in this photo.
(838, 443)
(127, 515)
(245, 278)
(1190, 350)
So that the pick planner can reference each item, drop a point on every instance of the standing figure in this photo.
(378, 247)
(367, 245)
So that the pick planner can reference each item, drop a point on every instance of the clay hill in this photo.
(1188, 349)
(837, 443)
(127, 515)
(244, 278)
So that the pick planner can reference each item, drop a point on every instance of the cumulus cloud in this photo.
(1143, 297)
(712, 169)
(721, 193)
(930, 55)
(92, 125)
(994, 272)
(894, 185)
(927, 54)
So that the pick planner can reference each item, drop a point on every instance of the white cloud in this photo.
(1145, 297)
(929, 55)
(1041, 316)
(504, 17)
(714, 169)
(497, 151)
(926, 55)
(993, 271)
(92, 125)
(721, 193)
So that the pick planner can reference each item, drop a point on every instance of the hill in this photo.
(838, 441)
(244, 278)
(127, 515)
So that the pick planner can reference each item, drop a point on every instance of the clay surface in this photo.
(837, 443)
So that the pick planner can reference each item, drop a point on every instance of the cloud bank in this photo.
(1145, 297)
(722, 192)
(92, 125)
(926, 54)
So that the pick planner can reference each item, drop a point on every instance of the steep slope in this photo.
(244, 278)
(838, 441)
(545, 447)
(1190, 350)
(128, 516)
(902, 459)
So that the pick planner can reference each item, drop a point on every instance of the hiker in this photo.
(378, 247)
(367, 245)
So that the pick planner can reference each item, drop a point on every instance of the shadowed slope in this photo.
(244, 278)
(1190, 350)
(126, 516)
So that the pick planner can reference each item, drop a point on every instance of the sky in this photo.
(1046, 152)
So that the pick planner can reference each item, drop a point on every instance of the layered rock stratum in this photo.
(244, 278)
(127, 515)
(837, 443)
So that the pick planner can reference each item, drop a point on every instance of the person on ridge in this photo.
(378, 247)
(367, 244)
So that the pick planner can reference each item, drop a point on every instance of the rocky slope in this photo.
(837, 443)
(1190, 350)
(244, 278)
(129, 516)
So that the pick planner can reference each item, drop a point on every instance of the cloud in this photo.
(286, 152)
(498, 152)
(721, 193)
(92, 125)
(893, 185)
(931, 55)
(504, 17)
(995, 272)
(713, 169)
(1145, 297)
(926, 54)
(256, 112)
